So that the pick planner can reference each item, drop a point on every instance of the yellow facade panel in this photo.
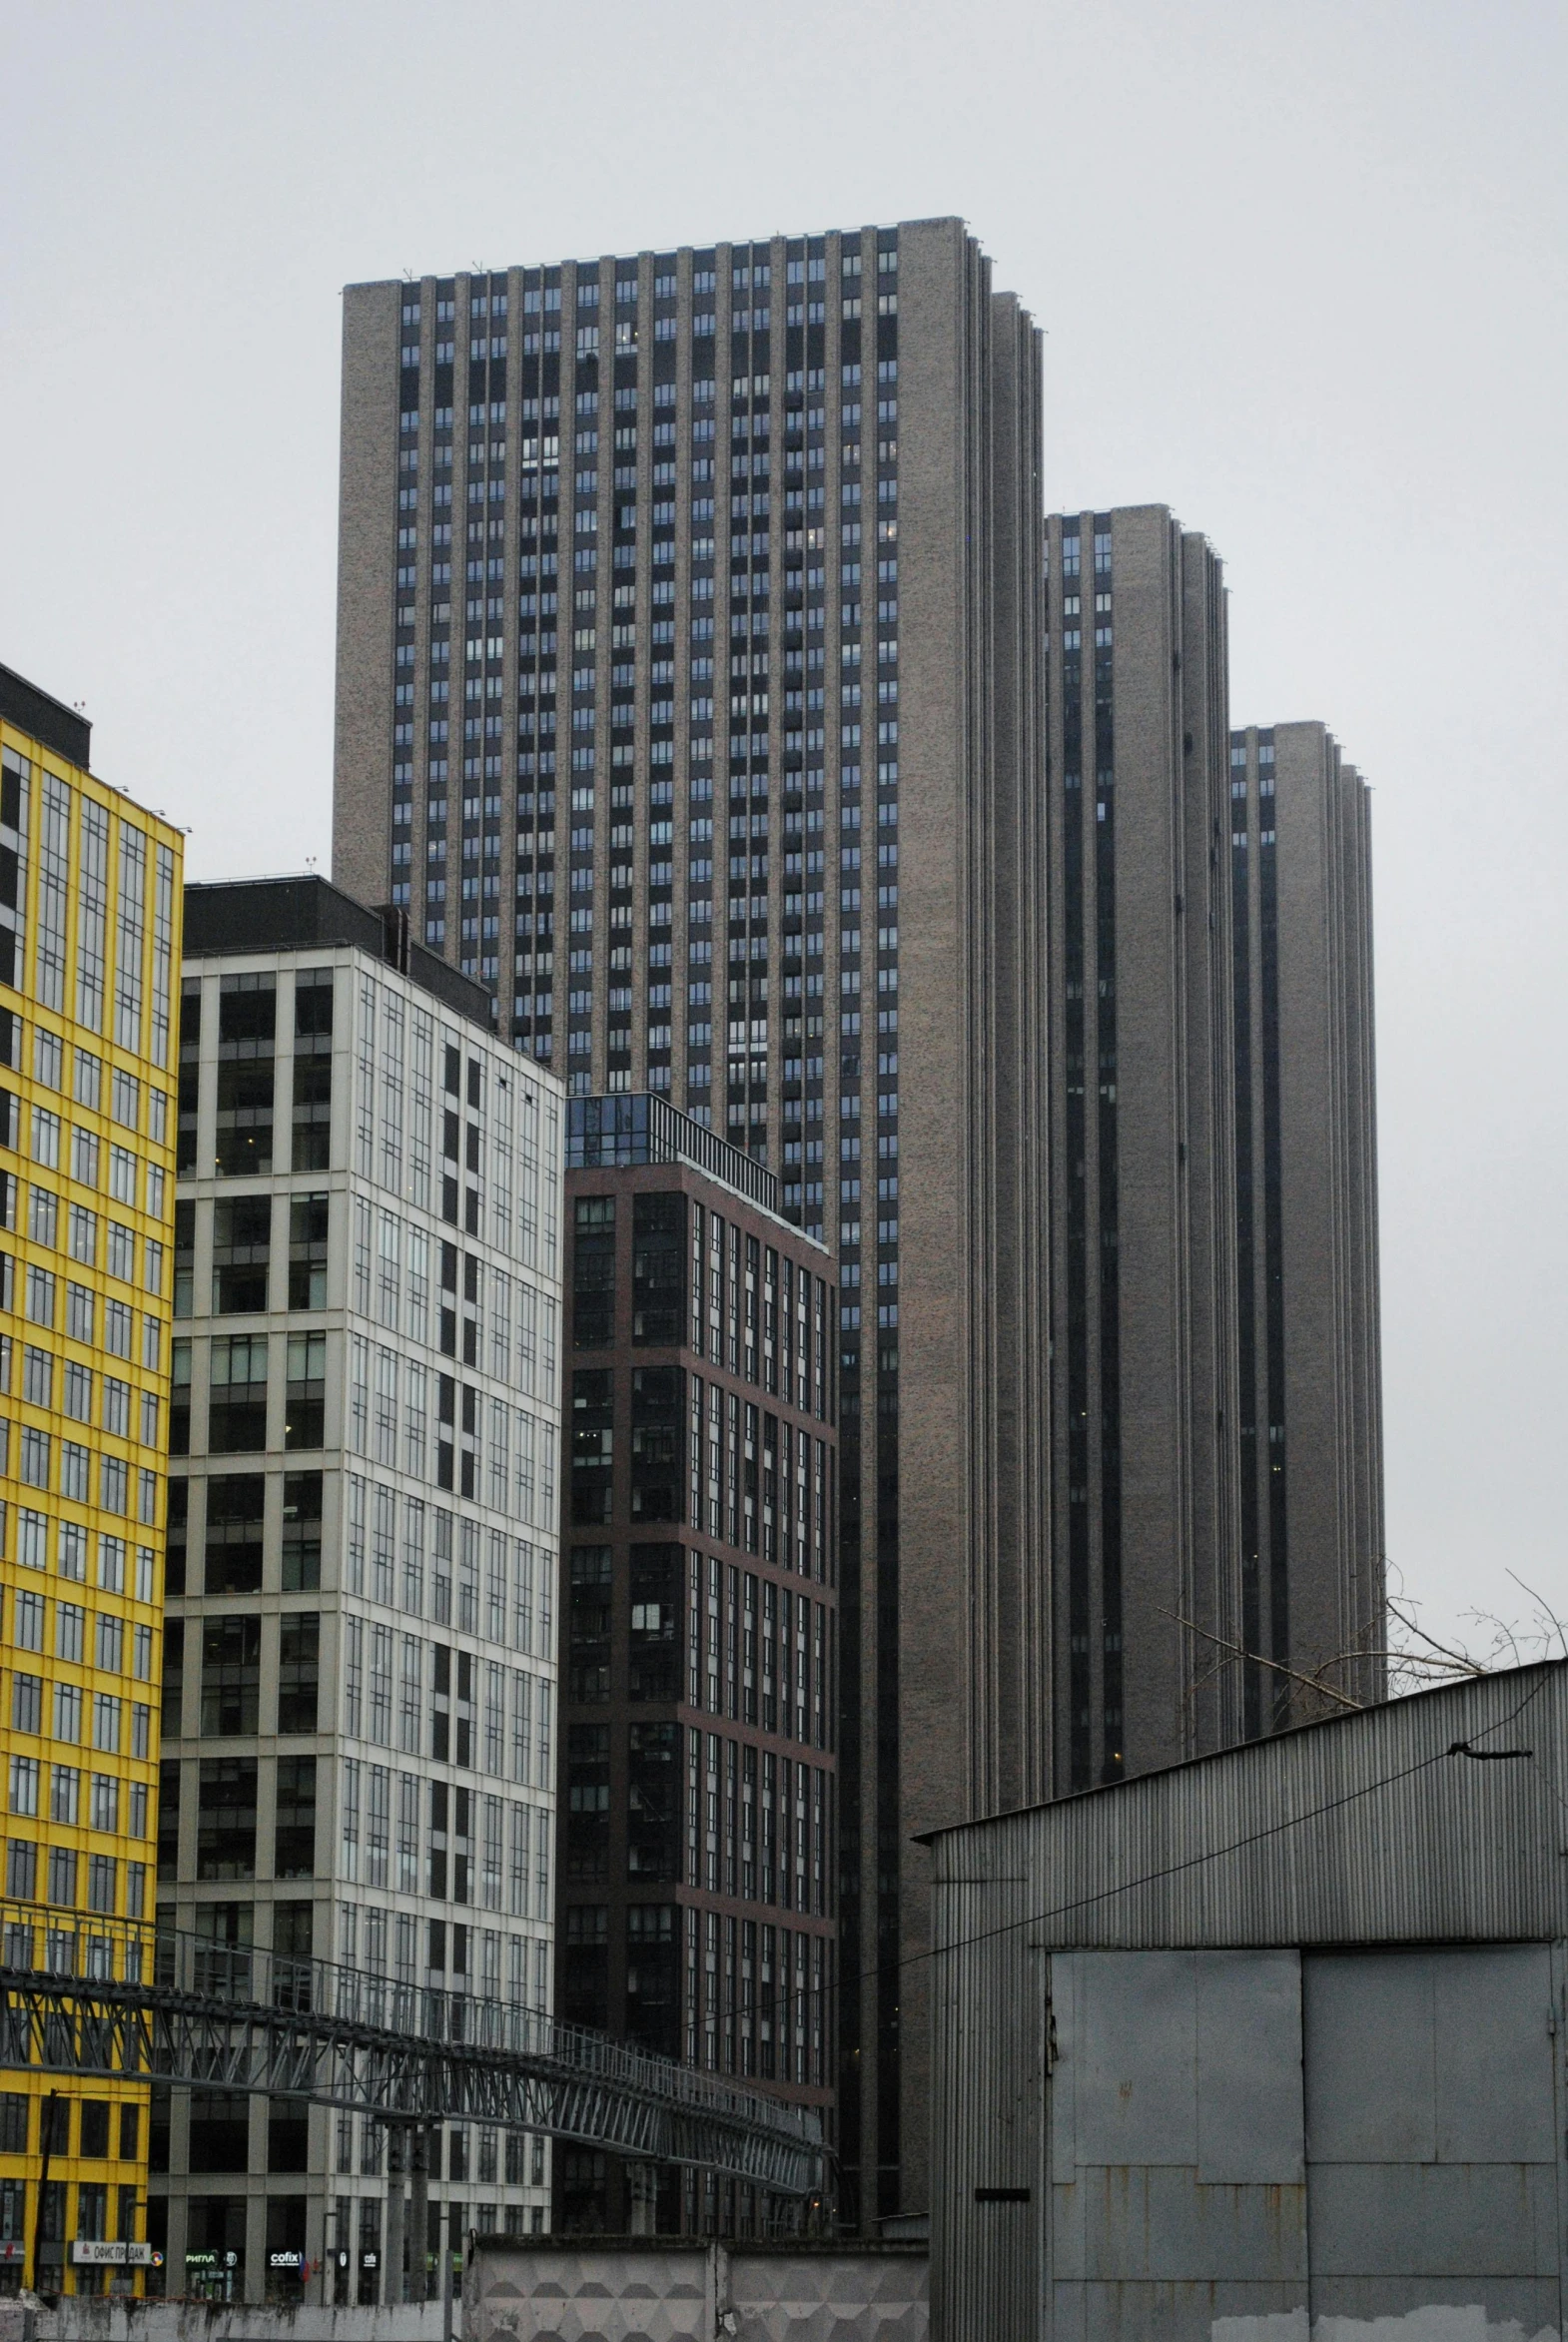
(90, 917)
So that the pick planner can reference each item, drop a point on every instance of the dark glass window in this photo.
(593, 1272)
(183, 1257)
(312, 1073)
(585, 1965)
(94, 2135)
(179, 1513)
(215, 2238)
(658, 1401)
(653, 1978)
(302, 1532)
(225, 1818)
(287, 2144)
(190, 1074)
(304, 1415)
(242, 1246)
(231, 1677)
(232, 1555)
(593, 1443)
(179, 1397)
(658, 1269)
(172, 1676)
(655, 1588)
(585, 2187)
(247, 1025)
(237, 1394)
(588, 1800)
(293, 1854)
(293, 1929)
(223, 1955)
(589, 1623)
(299, 1670)
(92, 2205)
(220, 2130)
(653, 1801)
(307, 1216)
(169, 1794)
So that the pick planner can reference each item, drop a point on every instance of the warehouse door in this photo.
(1431, 2141)
(1177, 2191)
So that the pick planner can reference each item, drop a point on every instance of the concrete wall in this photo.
(667, 2291)
(105, 2320)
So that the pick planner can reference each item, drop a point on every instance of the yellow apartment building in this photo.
(89, 916)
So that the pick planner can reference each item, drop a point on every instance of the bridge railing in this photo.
(139, 1956)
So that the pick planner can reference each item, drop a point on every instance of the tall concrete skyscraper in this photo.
(1309, 1391)
(1214, 1178)
(1144, 1206)
(689, 698)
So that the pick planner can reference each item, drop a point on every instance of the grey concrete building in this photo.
(1144, 1425)
(690, 699)
(1309, 1365)
(1266, 2045)
(359, 1755)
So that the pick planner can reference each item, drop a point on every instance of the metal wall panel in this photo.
(1141, 2241)
(990, 2026)
(1249, 2122)
(1361, 1830)
(1133, 2044)
(1425, 1894)
(1431, 2132)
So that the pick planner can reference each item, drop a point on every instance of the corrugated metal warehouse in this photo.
(1267, 2047)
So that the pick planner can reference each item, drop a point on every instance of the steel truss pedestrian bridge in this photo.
(104, 1999)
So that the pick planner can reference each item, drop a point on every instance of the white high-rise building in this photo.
(359, 1696)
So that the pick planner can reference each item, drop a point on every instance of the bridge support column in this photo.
(420, 2213)
(397, 2145)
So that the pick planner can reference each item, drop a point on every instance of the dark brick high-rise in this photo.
(698, 1860)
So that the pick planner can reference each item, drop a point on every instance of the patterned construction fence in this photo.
(662, 2289)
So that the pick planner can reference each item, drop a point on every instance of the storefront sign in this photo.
(104, 2252)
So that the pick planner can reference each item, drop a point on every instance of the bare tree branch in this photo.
(1239, 1650)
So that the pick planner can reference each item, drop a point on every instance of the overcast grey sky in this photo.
(1301, 268)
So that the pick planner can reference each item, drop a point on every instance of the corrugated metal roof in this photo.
(1364, 1829)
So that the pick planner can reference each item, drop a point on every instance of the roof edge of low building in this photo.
(234, 917)
(46, 719)
(643, 1129)
(1341, 1718)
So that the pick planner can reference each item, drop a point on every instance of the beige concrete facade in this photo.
(874, 413)
(1216, 1412)
(368, 524)
(1311, 1410)
(1143, 1214)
